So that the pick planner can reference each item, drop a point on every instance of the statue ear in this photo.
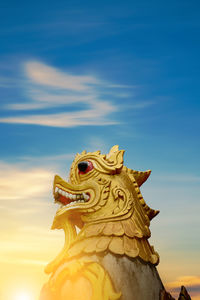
(115, 158)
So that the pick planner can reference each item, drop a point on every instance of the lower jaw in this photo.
(67, 215)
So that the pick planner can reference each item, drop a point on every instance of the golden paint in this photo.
(115, 219)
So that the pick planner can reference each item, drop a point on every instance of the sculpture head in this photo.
(100, 188)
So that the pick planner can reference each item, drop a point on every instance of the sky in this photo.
(78, 75)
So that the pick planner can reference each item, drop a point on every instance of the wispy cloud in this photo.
(53, 97)
(48, 87)
(42, 74)
(94, 116)
(17, 183)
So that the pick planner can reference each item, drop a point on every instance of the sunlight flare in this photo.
(23, 296)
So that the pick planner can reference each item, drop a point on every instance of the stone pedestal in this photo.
(135, 279)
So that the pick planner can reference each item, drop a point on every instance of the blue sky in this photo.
(80, 75)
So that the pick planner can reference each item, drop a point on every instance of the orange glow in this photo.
(188, 281)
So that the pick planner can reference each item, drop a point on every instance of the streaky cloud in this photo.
(74, 100)
(62, 119)
(48, 87)
(43, 74)
(18, 183)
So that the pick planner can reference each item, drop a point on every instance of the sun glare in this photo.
(23, 296)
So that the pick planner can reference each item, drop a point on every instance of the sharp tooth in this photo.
(63, 193)
(73, 197)
(59, 191)
(77, 229)
(86, 197)
(56, 189)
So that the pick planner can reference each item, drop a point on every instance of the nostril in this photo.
(82, 166)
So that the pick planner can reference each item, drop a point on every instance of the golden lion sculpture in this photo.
(110, 258)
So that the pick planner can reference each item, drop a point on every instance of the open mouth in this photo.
(71, 197)
(67, 199)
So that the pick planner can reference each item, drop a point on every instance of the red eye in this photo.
(85, 167)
